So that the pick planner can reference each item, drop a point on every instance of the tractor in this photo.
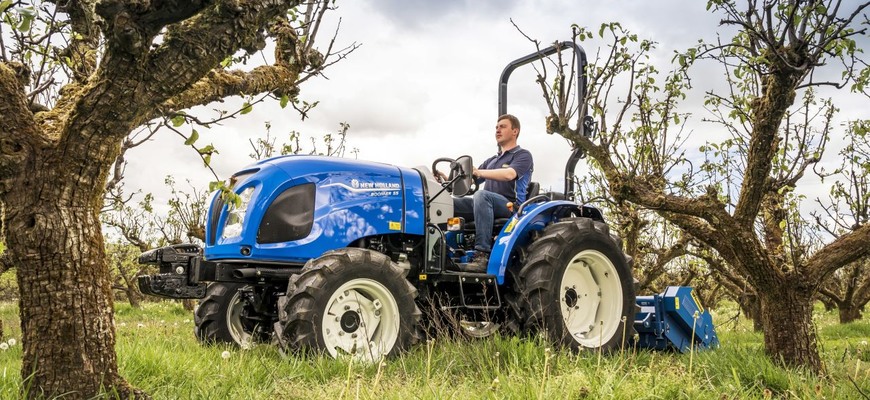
(358, 258)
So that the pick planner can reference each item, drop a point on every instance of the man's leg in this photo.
(463, 207)
(487, 206)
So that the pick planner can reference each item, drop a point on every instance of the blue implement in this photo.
(674, 320)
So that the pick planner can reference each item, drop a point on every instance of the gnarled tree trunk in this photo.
(53, 233)
(54, 164)
(66, 293)
(849, 313)
(787, 322)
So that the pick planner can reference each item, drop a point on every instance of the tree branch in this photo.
(198, 45)
(846, 249)
(219, 84)
(20, 136)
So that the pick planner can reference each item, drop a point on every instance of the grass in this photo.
(157, 352)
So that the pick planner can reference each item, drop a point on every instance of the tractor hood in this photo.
(294, 208)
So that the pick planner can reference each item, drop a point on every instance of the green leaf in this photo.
(284, 101)
(25, 22)
(178, 120)
(215, 185)
(782, 224)
(192, 139)
(246, 108)
(5, 4)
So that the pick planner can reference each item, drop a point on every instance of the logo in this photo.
(354, 183)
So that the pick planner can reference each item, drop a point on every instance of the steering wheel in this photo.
(460, 181)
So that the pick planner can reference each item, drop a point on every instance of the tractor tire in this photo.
(349, 302)
(219, 317)
(576, 287)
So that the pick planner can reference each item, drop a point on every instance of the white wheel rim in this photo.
(590, 299)
(234, 322)
(361, 320)
(479, 329)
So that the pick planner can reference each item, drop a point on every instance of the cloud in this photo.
(413, 14)
(424, 83)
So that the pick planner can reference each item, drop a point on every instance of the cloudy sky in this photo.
(423, 83)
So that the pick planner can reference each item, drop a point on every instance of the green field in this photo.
(157, 352)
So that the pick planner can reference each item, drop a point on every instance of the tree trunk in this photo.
(132, 292)
(849, 313)
(55, 240)
(789, 332)
(133, 298)
(755, 306)
(751, 307)
(64, 290)
(829, 305)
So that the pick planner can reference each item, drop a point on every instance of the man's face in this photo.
(504, 132)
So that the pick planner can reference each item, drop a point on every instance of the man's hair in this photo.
(515, 122)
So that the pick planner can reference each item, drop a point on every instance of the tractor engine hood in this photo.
(294, 208)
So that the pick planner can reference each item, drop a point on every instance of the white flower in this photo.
(863, 342)
(4, 346)
(187, 321)
(123, 324)
(225, 355)
(140, 325)
(12, 342)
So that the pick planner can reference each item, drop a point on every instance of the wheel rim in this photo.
(235, 325)
(591, 299)
(362, 320)
(479, 329)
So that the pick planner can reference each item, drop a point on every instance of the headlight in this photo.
(236, 215)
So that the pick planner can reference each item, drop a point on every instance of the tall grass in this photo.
(157, 352)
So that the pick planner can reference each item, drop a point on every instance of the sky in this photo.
(423, 85)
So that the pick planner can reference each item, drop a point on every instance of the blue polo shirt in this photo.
(521, 161)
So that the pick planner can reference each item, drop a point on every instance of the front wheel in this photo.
(224, 316)
(577, 286)
(350, 301)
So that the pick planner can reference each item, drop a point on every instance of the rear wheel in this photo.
(577, 286)
(350, 301)
(222, 317)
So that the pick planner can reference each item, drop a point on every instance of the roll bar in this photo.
(580, 54)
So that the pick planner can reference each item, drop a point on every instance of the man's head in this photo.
(507, 129)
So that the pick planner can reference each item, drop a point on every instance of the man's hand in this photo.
(440, 177)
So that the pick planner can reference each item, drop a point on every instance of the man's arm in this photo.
(499, 174)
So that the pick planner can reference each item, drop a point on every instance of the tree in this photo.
(777, 52)
(78, 79)
(847, 209)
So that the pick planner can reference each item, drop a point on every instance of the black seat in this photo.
(533, 190)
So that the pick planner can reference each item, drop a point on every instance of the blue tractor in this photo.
(361, 258)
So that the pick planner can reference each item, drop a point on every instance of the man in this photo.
(506, 176)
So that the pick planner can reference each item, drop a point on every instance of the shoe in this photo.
(478, 263)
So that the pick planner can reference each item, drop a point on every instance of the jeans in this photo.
(482, 208)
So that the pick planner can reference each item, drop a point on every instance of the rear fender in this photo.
(517, 232)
